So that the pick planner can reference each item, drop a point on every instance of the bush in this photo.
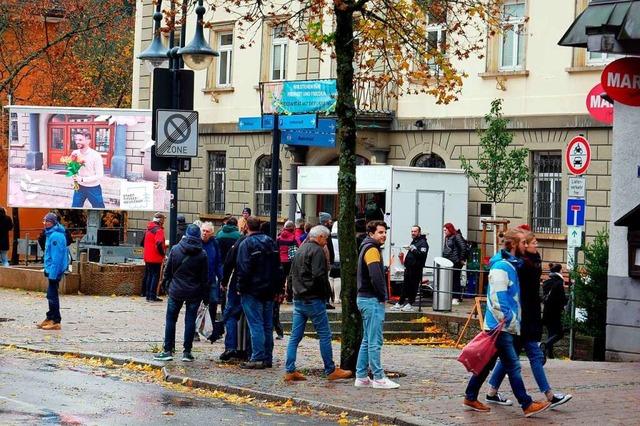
(590, 286)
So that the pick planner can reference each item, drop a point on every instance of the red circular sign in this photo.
(598, 108)
(578, 155)
(621, 80)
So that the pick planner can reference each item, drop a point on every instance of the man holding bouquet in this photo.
(87, 179)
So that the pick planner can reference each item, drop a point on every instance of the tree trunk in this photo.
(16, 234)
(346, 113)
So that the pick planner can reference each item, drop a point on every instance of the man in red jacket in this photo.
(153, 254)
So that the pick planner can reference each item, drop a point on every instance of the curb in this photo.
(211, 386)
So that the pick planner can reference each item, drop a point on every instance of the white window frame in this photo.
(282, 43)
(441, 37)
(512, 26)
(225, 50)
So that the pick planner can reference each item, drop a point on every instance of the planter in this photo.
(587, 348)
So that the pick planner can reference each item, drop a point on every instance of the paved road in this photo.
(432, 381)
(38, 389)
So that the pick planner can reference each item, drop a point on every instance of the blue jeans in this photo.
(92, 193)
(535, 360)
(259, 315)
(372, 322)
(152, 275)
(230, 317)
(315, 310)
(54, 301)
(511, 362)
(3, 257)
(173, 310)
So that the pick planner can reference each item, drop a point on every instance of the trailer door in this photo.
(430, 214)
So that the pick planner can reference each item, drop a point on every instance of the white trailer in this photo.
(412, 195)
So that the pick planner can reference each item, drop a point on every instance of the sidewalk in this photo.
(432, 381)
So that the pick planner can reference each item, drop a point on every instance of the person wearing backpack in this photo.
(455, 249)
(554, 299)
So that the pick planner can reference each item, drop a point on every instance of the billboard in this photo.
(83, 158)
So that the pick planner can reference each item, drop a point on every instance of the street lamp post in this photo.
(197, 55)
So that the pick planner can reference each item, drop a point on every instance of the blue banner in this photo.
(307, 96)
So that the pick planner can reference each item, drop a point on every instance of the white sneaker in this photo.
(396, 307)
(384, 383)
(362, 382)
(455, 302)
(408, 308)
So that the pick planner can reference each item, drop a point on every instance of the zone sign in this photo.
(578, 155)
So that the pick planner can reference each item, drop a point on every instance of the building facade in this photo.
(544, 88)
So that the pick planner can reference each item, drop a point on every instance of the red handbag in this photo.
(480, 350)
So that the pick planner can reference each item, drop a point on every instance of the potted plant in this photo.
(590, 291)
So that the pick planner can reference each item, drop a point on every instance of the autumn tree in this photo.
(379, 46)
(65, 52)
(502, 167)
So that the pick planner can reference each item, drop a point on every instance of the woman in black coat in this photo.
(555, 300)
(6, 225)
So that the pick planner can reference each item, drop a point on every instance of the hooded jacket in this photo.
(286, 239)
(529, 276)
(227, 237)
(555, 298)
(187, 270)
(371, 278)
(258, 267)
(417, 255)
(56, 259)
(503, 293)
(154, 243)
(454, 248)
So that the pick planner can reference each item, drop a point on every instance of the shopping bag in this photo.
(480, 350)
(204, 326)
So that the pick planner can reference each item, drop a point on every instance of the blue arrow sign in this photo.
(250, 123)
(325, 140)
(294, 122)
(327, 125)
(575, 212)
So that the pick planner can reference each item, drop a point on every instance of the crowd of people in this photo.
(249, 274)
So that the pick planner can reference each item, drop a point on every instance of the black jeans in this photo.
(410, 283)
(457, 288)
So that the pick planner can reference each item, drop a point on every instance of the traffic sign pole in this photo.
(275, 178)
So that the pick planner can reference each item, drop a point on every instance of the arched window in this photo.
(433, 161)
(263, 183)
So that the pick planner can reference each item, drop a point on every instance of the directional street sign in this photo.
(296, 122)
(327, 125)
(250, 123)
(578, 155)
(267, 122)
(575, 212)
(574, 236)
(177, 133)
(325, 140)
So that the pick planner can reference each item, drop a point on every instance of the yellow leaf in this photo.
(169, 413)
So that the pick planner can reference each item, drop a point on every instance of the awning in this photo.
(610, 26)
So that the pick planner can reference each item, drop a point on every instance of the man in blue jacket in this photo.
(187, 272)
(56, 262)
(260, 278)
(211, 247)
(503, 305)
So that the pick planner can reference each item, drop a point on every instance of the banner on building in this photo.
(299, 97)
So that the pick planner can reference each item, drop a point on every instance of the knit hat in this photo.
(181, 219)
(246, 210)
(193, 231)
(51, 217)
(324, 217)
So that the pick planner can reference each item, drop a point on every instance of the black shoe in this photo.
(329, 306)
(268, 364)
(155, 299)
(196, 337)
(227, 355)
(252, 365)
